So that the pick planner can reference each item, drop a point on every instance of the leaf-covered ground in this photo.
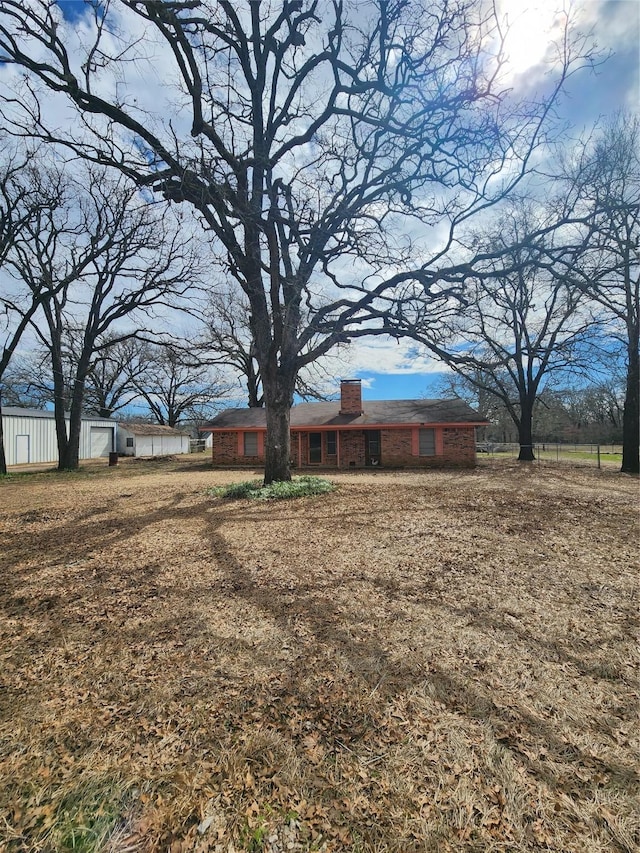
(415, 662)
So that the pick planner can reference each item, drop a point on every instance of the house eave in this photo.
(341, 427)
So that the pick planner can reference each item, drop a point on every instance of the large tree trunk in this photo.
(61, 431)
(277, 450)
(59, 399)
(70, 460)
(525, 431)
(70, 457)
(256, 400)
(631, 413)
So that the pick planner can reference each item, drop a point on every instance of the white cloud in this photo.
(385, 355)
(531, 29)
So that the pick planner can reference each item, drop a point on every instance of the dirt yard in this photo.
(415, 662)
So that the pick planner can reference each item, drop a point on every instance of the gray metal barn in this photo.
(30, 436)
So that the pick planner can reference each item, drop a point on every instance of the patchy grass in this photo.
(438, 661)
(82, 817)
(568, 455)
(297, 487)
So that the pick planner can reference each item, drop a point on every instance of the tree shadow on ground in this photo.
(305, 615)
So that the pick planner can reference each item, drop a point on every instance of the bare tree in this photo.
(521, 321)
(109, 385)
(108, 254)
(605, 178)
(31, 195)
(487, 405)
(173, 389)
(322, 134)
(17, 386)
(590, 413)
(228, 341)
(17, 206)
(29, 377)
(594, 411)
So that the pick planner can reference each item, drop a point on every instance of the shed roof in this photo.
(376, 412)
(21, 412)
(151, 429)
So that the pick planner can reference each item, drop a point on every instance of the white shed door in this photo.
(101, 440)
(22, 449)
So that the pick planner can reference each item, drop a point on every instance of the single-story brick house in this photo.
(351, 434)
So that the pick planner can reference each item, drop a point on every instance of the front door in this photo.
(372, 447)
(315, 447)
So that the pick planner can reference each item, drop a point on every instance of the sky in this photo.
(392, 371)
(397, 370)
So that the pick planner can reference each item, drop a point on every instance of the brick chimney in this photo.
(350, 397)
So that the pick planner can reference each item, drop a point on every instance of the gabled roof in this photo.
(150, 429)
(20, 412)
(376, 412)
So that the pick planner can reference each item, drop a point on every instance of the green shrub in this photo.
(298, 487)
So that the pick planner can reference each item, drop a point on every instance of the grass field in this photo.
(580, 454)
(440, 661)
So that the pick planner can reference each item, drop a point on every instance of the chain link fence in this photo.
(592, 455)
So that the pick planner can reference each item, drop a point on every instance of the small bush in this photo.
(298, 487)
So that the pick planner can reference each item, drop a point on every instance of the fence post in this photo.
(598, 456)
(557, 452)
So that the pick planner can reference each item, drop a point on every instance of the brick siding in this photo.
(395, 448)
(225, 451)
(350, 398)
(459, 446)
(458, 449)
(351, 448)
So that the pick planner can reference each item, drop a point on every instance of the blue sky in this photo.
(399, 386)
(394, 371)
(589, 97)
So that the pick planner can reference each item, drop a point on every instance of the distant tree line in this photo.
(591, 414)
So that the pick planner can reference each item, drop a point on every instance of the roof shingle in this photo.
(389, 412)
(150, 429)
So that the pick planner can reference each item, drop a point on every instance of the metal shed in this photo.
(30, 436)
(151, 440)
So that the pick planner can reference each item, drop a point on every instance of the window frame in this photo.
(432, 443)
(253, 437)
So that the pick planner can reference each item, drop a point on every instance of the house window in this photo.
(251, 444)
(130, 442)
(315, 447)
(332, 443)
(427, 442)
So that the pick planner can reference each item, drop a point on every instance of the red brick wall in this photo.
(350, 397)
(351, 448)
(459, 446)
(225, 451)
(458, 449)
(396, 448)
